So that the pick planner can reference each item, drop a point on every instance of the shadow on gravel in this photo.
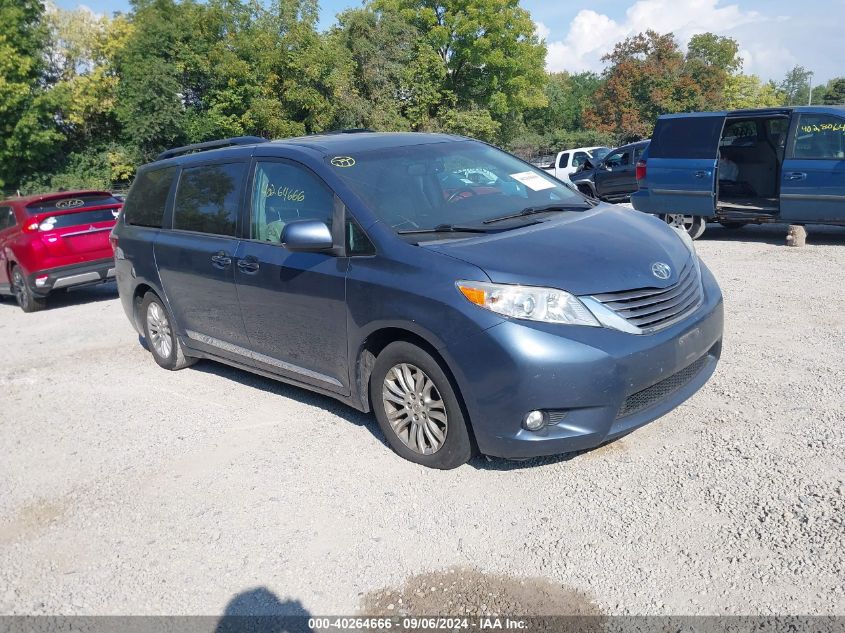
(65, 298)
(285, 390)
(774, 234)
(260, 611)
(609, 449)
(461, 592)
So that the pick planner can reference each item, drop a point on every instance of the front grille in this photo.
(652, 309)
(647, 397)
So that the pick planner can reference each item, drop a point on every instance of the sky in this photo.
(774, 35)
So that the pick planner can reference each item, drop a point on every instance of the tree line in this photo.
(84, 99)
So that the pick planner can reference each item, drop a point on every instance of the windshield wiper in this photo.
(446, 228)
(544, 209)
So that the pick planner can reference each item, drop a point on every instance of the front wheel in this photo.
(417, 408)
(161, 338)
(694, 225)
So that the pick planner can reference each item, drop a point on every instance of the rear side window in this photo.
(148, 197)
(564, 160)
(7, 218)
(819, 136)
(686, 137)
(208, 199)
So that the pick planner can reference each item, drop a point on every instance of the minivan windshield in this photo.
(452, 187)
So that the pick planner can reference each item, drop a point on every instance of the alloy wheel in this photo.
(158, 327)
(415, 410)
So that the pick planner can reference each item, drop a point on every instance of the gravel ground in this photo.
(126, 489)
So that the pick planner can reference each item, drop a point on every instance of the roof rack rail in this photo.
(199, 147)
(351, 130)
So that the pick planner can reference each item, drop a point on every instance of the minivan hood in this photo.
(604, 249)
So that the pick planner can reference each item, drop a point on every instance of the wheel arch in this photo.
(373, 344)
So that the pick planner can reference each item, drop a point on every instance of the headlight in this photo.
(549, 305)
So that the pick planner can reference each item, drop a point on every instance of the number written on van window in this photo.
(820, 137)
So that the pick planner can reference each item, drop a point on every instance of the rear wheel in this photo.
(27, 301)
(417, 408)
(694, 225)
(161, 338)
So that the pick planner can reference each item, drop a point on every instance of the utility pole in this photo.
(810, 100)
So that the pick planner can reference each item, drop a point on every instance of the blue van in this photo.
(470, 300)
(746, 166)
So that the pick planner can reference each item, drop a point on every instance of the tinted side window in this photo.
(564, 160)
(208, 199)
(148, 197)
(7, 218)
(618, 159)
(686, 137)
(819, 136)
(579, 158)
(285, 192)
(357, 242)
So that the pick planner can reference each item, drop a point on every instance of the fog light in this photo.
(41, 281)
(534, 421)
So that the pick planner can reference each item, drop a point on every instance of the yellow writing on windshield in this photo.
(823, 127)
(285, 193)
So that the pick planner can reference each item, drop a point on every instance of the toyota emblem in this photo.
(661, 270)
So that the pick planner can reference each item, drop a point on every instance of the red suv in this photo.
(54, 241)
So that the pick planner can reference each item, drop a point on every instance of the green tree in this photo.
(748, 91)
(834, 92)
(711, 61)
(796, 86)
(492, 56)
(26, 129)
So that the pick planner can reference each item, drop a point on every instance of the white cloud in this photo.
(769, 43)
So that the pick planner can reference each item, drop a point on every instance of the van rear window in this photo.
(148, 197)
(686, 137)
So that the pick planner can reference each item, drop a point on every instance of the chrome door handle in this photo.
(248, 265)
(796, 175)
(221, 260)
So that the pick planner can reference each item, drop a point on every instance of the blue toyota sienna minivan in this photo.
(468, 299)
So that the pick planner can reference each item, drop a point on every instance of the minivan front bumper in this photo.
(596, 384)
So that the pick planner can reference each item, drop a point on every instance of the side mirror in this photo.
(307, 235)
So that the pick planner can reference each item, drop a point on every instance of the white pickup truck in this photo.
(567, 161)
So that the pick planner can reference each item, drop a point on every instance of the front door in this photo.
(293, 304)
(682, 161)
(196, 259)
(813, 175)
(616, 171)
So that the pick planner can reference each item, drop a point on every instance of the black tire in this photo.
(26, 299)
(733, 225)
(456, 447)
(159, 329)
